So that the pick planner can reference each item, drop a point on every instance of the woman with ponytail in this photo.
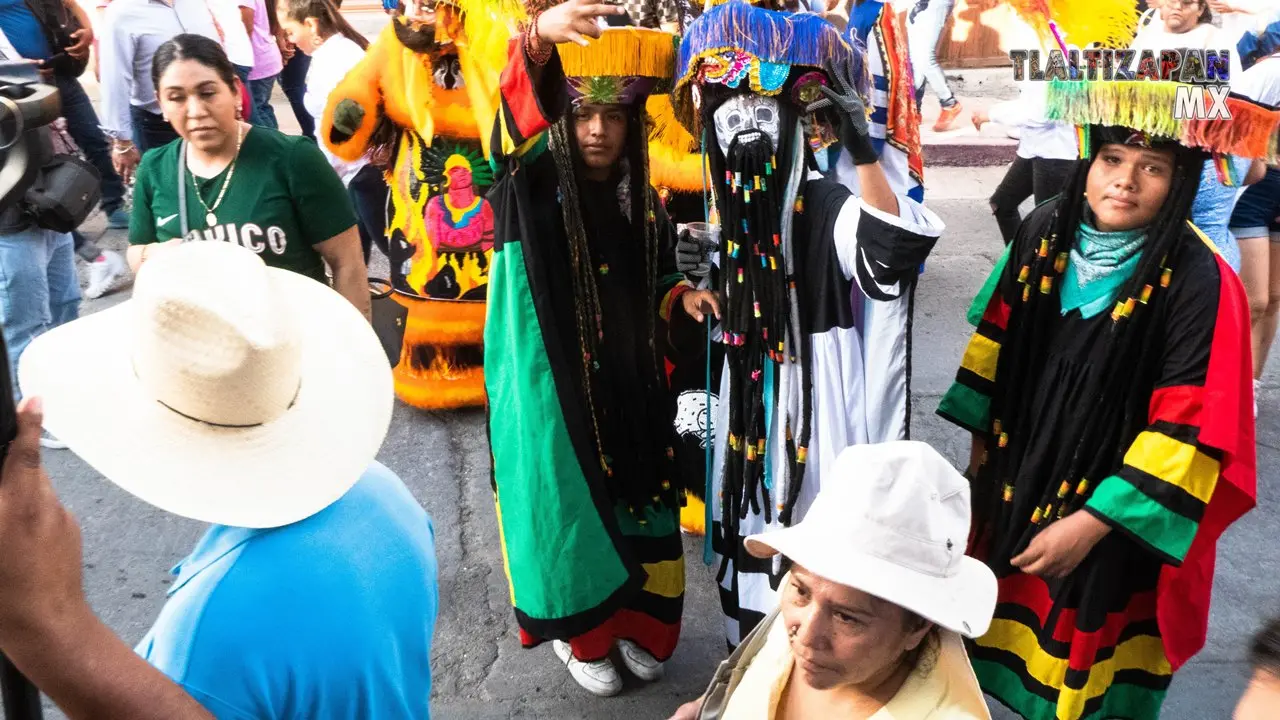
(318, 29)
(1107, 390)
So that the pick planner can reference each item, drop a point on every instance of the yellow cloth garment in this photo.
(943, 690)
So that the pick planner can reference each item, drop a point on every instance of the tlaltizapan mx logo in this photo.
(1204, 74)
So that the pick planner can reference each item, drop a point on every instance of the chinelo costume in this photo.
(427, 94)
(583, 280)
(803, 264)
(1110, 374)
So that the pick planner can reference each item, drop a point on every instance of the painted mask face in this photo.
(746, 117)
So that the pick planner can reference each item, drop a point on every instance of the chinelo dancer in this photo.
(1108, 392)
(801, 261)
(583, 278)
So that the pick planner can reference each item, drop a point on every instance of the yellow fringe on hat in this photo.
(623, 52)
(1109, 23)
(1145, 106)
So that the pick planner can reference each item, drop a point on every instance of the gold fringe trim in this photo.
(623, 52)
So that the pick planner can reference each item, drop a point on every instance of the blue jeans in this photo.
(242, 72)
(150, 130)
(368, 191)
(39, 289)
(293, 81)
(82, 124)
(264, 115)
(924, 27)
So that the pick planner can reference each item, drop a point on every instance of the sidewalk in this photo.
(963, 146)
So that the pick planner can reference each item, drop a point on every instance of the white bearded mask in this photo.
(746, 113)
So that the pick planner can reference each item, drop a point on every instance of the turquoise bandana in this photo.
(1100, 264)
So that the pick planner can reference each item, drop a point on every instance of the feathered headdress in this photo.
(737, 45)
(1252, 131)
(1108, 23)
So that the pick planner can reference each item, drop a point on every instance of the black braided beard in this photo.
(757, 314)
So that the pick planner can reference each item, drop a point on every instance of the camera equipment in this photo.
(56, 192)
(27, 106)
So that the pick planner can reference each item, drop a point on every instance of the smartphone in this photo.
(21, 698)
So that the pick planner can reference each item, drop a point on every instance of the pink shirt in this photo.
(267, 61)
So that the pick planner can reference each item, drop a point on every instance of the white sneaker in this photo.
(50, 442)
(598, 678)
(639, 662)
(105, 273)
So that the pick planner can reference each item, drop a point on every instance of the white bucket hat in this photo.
(892, 520)
(224, 391)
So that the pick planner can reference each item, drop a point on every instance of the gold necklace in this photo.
(210, 218)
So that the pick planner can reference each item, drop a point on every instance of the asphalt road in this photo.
(479, 669)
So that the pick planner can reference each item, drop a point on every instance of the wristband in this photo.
(537, 54)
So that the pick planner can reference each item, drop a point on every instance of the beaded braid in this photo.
(757, 318)
(1113, 394)
(586, 294)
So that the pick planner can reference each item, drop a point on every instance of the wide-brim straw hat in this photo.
(224, 390)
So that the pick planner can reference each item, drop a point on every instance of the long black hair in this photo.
(1113, 396)
(198, 48)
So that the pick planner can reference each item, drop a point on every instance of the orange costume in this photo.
(436, 85)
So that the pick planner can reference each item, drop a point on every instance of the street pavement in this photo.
(479, 669)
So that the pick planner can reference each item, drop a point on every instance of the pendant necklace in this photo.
(210, 218)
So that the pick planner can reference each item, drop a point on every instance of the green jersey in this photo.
(283, 199)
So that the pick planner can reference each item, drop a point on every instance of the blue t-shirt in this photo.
(23, 30)
(330, 617)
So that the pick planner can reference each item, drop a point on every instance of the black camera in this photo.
(38, 187)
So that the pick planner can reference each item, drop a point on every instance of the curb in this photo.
(969, 154)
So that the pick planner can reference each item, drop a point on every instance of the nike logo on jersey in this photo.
(165, 220)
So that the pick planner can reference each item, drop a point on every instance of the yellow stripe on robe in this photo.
(981, 356)
(502, 542)
(666, 578)
(1143, 652)
(1174, 462)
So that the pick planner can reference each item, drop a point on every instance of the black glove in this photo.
(692, 257)
(855, 133)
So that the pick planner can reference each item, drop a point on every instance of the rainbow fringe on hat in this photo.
(741, 46)
(1252, 132)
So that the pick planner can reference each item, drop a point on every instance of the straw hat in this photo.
(224, 391)
(892, 520)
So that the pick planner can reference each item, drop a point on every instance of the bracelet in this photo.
(532, 43)
(123, 148)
